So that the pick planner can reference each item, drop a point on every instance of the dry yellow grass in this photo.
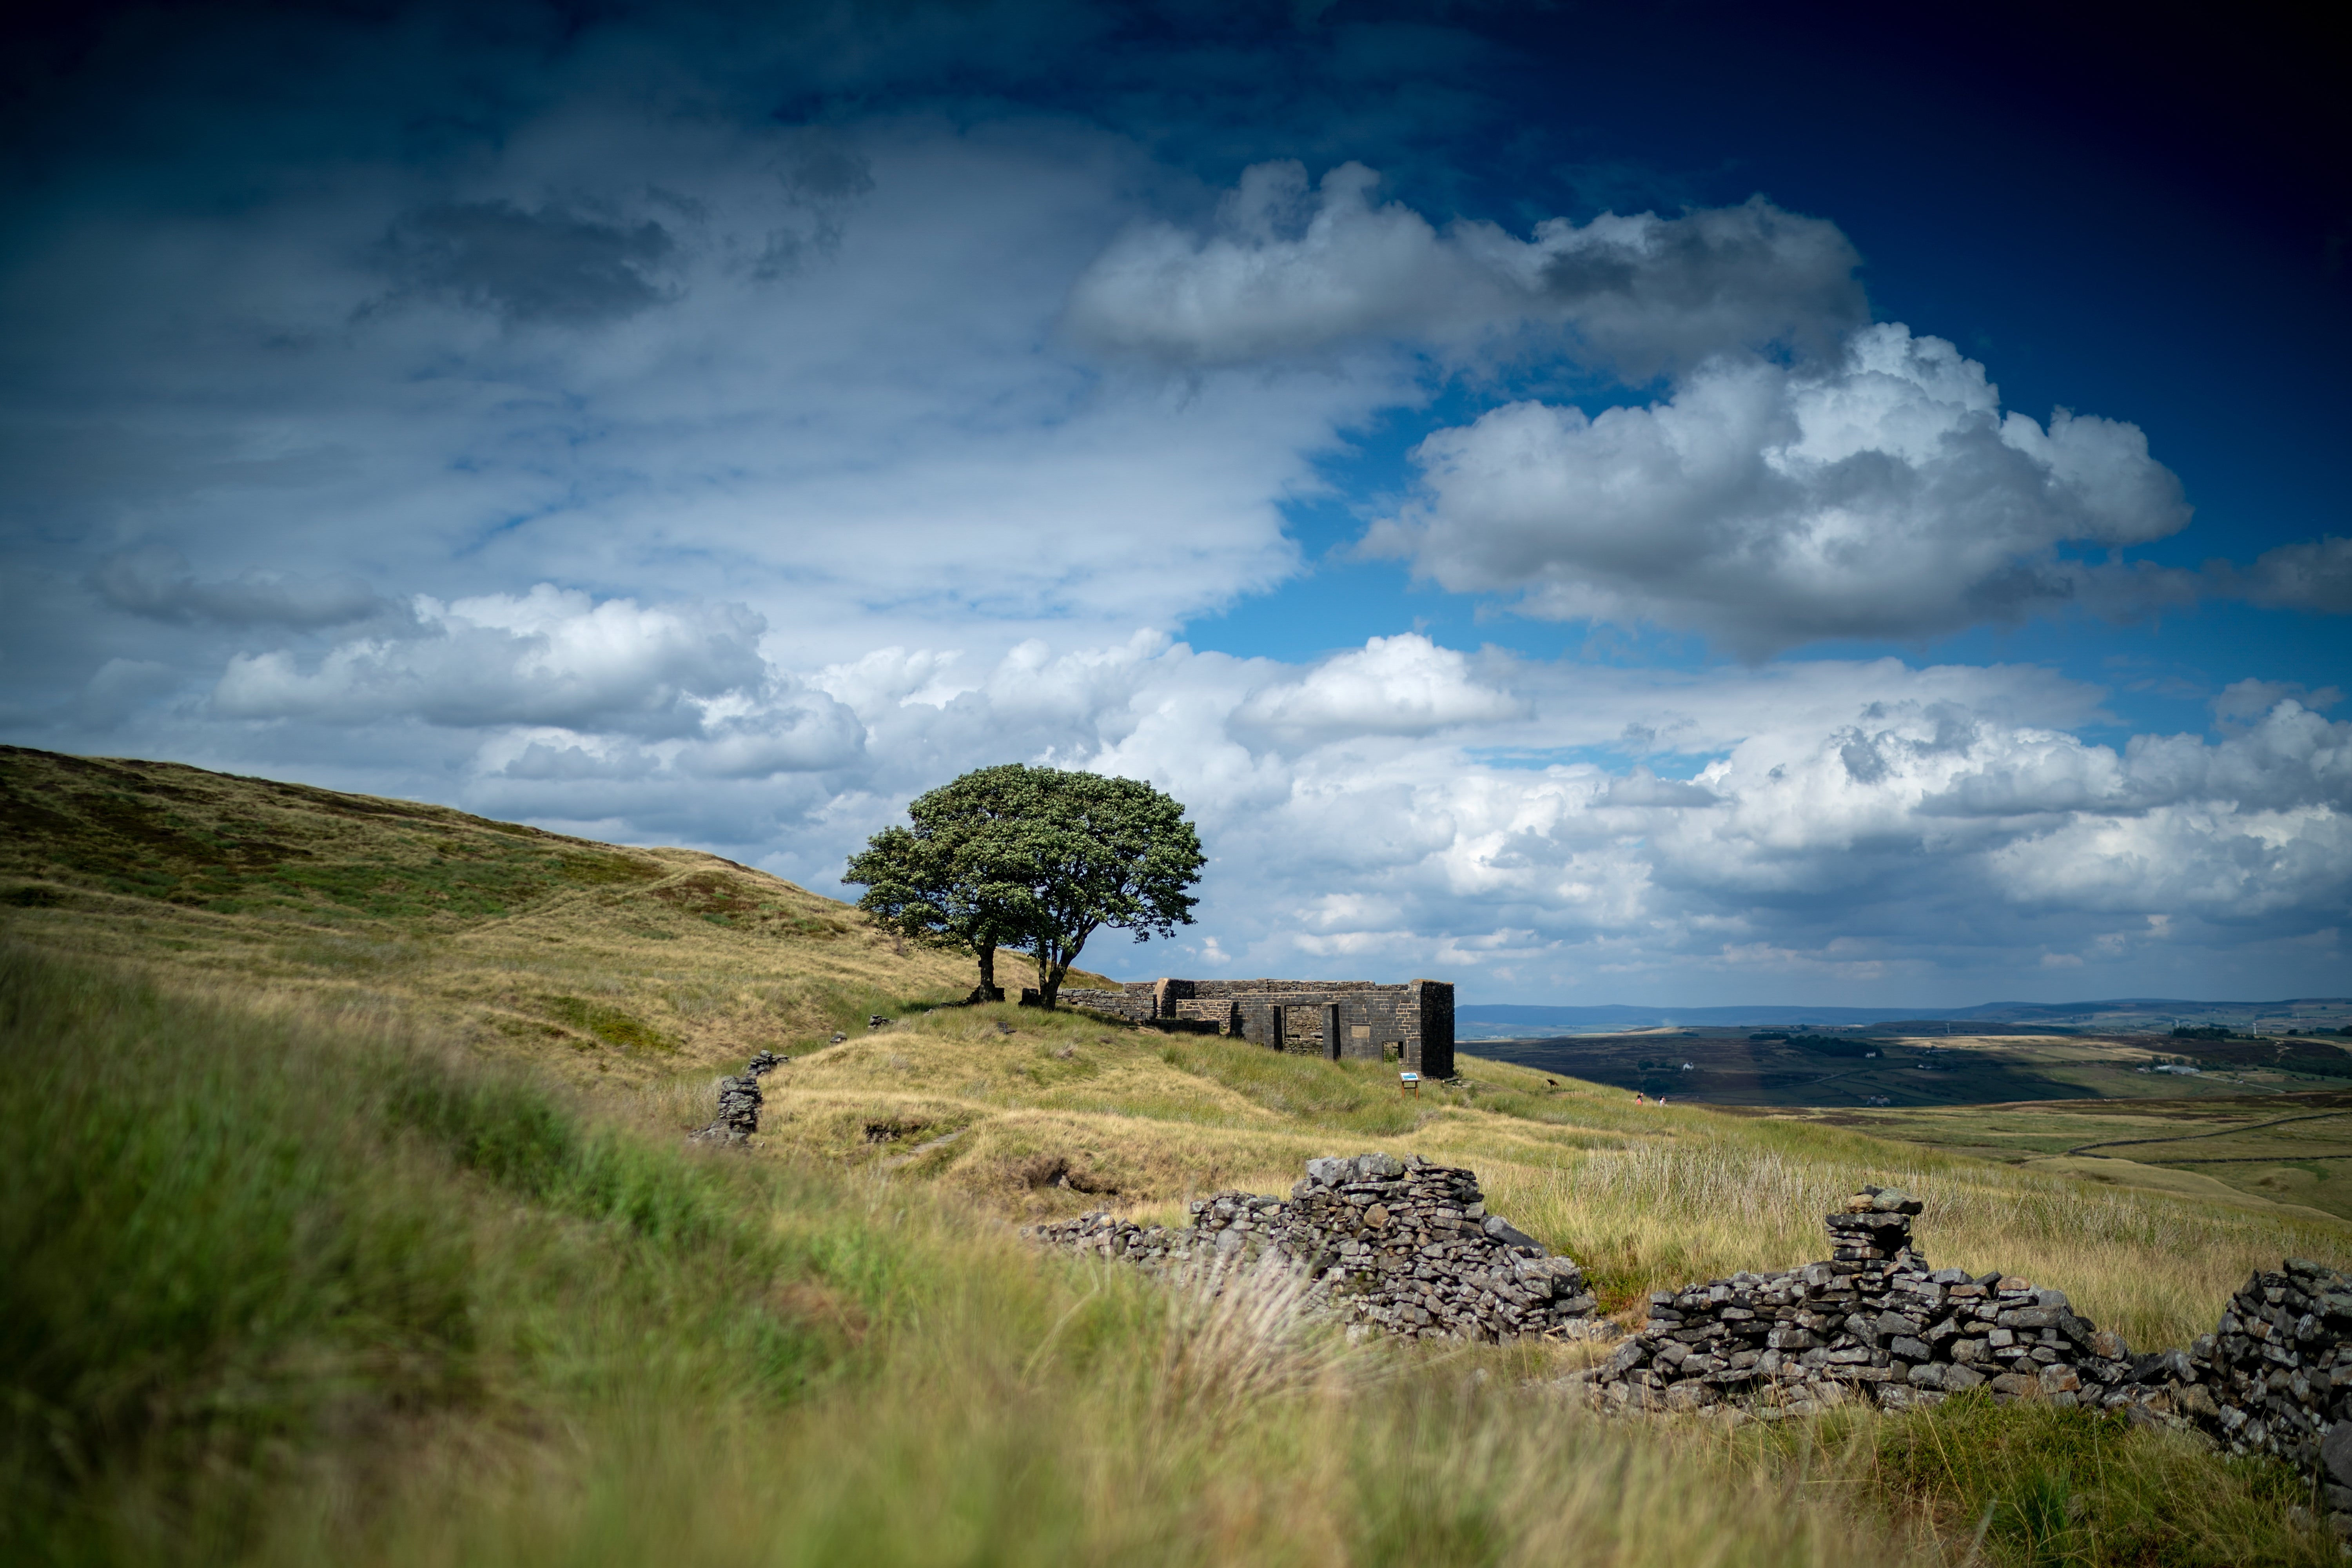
(1036, 1115)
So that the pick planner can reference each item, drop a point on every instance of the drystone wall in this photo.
(1407, 1248)
(1389, 1246)
(1352, 1020)
(739, 1100)
(1877, 1321)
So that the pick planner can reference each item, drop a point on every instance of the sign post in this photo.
(1409, 1083)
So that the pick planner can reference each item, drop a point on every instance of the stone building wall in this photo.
(1349, 1020)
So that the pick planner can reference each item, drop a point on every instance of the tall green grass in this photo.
(223, 1247)
(279, 1286)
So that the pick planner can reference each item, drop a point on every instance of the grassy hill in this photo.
(593, 959)
(348, 1214)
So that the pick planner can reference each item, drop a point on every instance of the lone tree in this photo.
(1033, 860)
(924, 882)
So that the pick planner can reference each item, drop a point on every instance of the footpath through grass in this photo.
(279, 1285)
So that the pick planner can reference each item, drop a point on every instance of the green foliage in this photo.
(2202, 1032)
(1033, 858)
(932, 882)
(1093, 852)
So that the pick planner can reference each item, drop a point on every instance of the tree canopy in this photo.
(1033, 860)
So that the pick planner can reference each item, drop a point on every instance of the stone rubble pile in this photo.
(1877, 1321)
(2275, 1376)
(1873, 1322)
(1408, 1248)
(739, 1100)
(1403, 1248)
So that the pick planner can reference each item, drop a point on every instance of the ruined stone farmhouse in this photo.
(1341, 1020)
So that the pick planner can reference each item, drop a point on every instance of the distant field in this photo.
(1727, 1067)
(2284, 1148)
(2145, 1014)
(2265, 1122)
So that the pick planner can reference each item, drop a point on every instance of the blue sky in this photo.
(1680, 508)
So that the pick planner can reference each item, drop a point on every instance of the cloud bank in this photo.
(1288, 270)
(1404, 803)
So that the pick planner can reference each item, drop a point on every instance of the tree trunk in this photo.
(1053, 961)
(989, 989)
(1049, 975)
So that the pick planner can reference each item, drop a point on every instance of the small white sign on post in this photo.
(1409, 1083)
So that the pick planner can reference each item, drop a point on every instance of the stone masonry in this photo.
(1407, 1248)
(739, 1100)
(1396, 1246)
(1350, 1020)
(1875, 1322)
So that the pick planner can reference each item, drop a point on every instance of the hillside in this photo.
(596, 959)
(641, 970)
(315, 1203)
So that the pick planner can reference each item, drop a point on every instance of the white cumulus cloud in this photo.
(1884, 495)
(1404, 685)
(548, 656)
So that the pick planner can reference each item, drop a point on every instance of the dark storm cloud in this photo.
(551, 264)
(1295, 268)
(1687, 286)
(156, 583)
(2312, 574)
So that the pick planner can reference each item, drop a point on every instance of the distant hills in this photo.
(1492, 1021)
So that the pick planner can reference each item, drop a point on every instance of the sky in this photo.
(1676, 506)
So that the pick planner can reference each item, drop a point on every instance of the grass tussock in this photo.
(2033, 1486)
